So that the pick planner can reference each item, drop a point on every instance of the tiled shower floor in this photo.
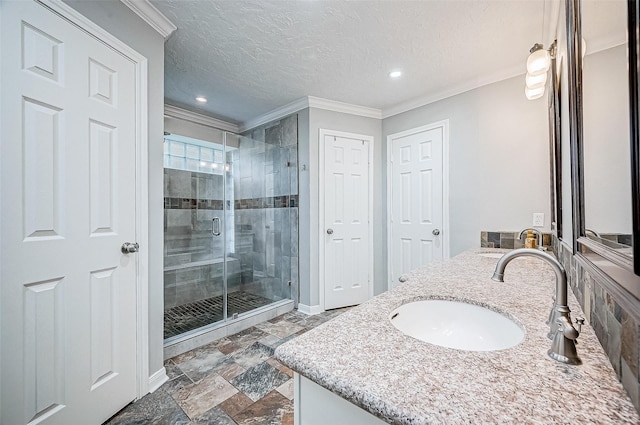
(187, 317)
(232, 381)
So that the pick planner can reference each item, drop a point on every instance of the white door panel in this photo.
(416, 199)
(68, 169)
(347, 228)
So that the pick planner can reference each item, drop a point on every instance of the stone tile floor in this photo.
(232, 381)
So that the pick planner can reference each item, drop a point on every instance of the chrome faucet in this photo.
(564, 334)
(538, 236)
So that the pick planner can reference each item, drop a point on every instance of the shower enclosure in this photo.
(230, 228)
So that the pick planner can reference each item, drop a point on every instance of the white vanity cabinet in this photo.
(315, 405)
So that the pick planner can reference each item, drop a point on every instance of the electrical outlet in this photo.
(538, 219)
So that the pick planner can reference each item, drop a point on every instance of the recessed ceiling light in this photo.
(201, 99)
(395, 74)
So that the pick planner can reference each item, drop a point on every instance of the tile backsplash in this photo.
(617, 330)
(508, 240)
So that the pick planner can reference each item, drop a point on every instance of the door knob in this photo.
(329, 231)
(129, 248)
(435, 232)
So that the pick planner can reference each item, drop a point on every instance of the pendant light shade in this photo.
(538, 61)
(535, 81)
(535, 93)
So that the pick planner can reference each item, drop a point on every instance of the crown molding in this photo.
(311, 102)
(364, 111)
(194, 117)
(605, 43)
(345, 108)
(466, 86)
(152, 16)
(281, 112)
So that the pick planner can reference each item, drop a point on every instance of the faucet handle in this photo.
(579, 323)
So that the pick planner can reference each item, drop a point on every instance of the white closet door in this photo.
(346, 209)
(68, 204)
(416, 200)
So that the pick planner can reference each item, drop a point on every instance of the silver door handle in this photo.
(435, 232)
(329, 231)
(215, 226)
(129, 248)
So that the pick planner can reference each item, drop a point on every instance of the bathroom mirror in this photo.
(604, 139)
(605, 125)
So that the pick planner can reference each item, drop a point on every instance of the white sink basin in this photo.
(455, 324)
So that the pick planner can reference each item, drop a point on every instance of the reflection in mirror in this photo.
(607, 165)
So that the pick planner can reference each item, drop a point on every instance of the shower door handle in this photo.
(215, 226)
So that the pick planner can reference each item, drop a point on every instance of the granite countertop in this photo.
(361, 357)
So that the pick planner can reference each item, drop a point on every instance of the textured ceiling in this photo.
(250, 57)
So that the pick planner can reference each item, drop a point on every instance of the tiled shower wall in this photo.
(617, 331)
(193, 265)
(266, 218)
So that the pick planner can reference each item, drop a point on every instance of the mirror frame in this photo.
(618, 273)
(555, 147)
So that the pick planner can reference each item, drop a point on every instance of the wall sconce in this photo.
(538, 64)
(535, 93)
(538, 61)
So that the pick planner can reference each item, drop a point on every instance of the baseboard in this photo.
(157, 379)
(309, 309)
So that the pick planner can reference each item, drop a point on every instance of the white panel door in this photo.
(346, 218)
(416, 200)
(68, 204)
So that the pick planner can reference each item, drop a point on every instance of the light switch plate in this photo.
(538, 219)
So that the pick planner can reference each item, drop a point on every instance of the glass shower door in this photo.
(258, 224)
(194, 270)
(230, 230)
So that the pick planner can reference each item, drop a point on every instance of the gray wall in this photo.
(309, 194)
(120, 21)
(499, 158)
(193, 130)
